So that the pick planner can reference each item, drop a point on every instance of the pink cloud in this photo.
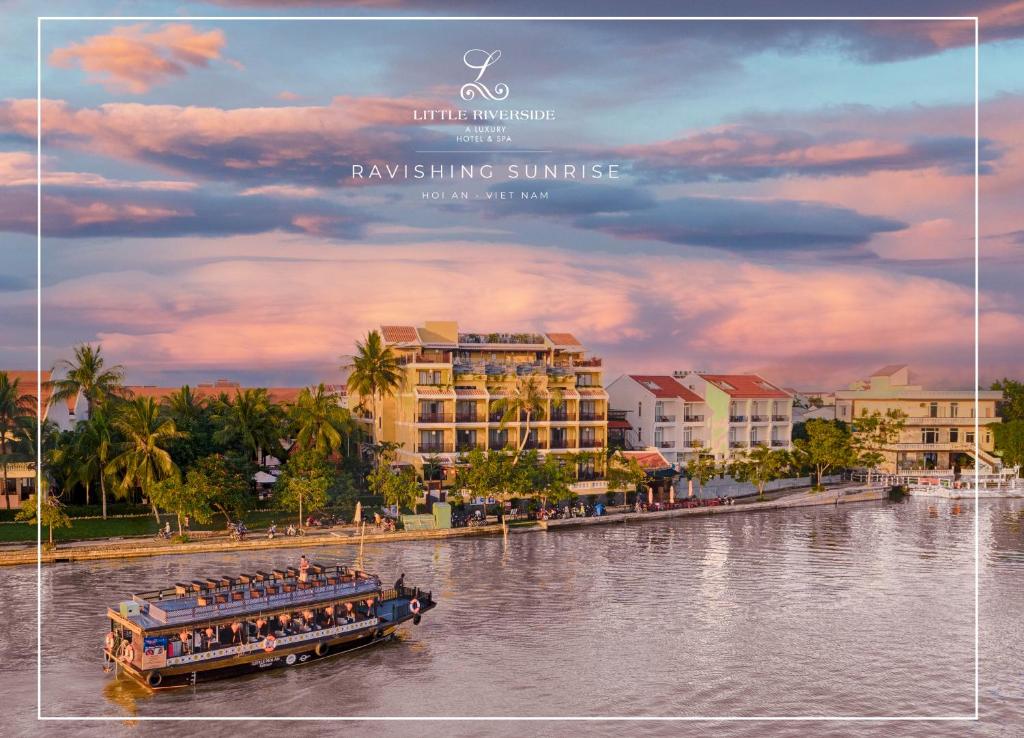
(134, 58)
(244, 307)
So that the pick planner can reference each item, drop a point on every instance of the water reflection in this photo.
(864, 609)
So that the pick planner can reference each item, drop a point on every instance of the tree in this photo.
(1012, 405)
(52, 516)
(17, 411)
(192, 415)
(703, 469)
(143, 459)
(376, 373)
(526, 400)
(1010, 441)
(828, 446)
(214, 479)
(761, 466)
(875, 433)
(174, 496)
(319, 422)
(88, 375)
(304, 482)
(399, 488)
(489, 474)
(550, 479)
(249, 422)
(624, 474)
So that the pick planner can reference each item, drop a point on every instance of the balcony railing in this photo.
(693, 418)
(584, 416)
(495, 417)
(737, 418)
(758, 443)
(560, 443)
(737, 444)
(466, 446)
(777, 443)
(759, 418)
(666, 444)
(665, 419)
(591, 443)
(562, 416)
(535, 446)
(427, 357)
(592, 361)
(497, 444)
(780, 418)
(467, 417)
(433, 448)
(589, 476)
(434, 418)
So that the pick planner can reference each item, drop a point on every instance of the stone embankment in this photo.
(134, 548)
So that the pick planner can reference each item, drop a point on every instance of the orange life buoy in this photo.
(128, 653)
(269, 643)
(414, 606)
(109, 641)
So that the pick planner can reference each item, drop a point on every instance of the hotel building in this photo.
(691, 413)
(939, 428)
(448, 403)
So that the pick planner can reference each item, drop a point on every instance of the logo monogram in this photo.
(471, 89)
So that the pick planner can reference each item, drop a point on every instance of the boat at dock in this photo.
(230, 625)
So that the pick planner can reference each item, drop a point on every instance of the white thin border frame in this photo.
(491, 718)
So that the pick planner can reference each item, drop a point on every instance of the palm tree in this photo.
(87, 375)
(250, 421)
(527, 399)
(96, 447)
(320, 422)
(142, 458)
(376, 372)
(184, 406)
(17, 410)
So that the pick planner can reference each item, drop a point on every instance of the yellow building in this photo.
(939, 426)
(449, 402)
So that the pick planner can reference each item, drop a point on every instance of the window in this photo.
(954, 409)
(427, 376)
(929, 435)
(933, 410)
(969, 436)
(954, 435)
(639, 409)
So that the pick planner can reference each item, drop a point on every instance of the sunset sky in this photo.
(796, 197)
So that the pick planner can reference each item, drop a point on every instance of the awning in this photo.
(592, 392)
(471, 393)
(263, 478)
(434, 392)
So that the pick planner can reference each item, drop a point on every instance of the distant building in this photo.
(454, 380)
(690, 413)
(939, 427)
(21, 475)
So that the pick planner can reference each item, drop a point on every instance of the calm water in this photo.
(861, 610)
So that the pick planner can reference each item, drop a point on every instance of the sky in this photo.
(794, 198)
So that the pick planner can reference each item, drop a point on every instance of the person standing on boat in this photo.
(400, 582)
(303, 568)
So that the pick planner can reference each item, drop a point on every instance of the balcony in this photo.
(758, 443)
(535, 446)
(434, 418)
(666, 444)
(497, 444)
(495, 417)
(467, 417)
(427, 357)
(779, 444)
(560, 443)
(693, 418)
(589, 476)
(467, 446)
(433, 448)
(592, 361)
(759, 418)
(737, 418)
(780, 418)
(589, 417)
(561, 416)
(591, 443)
(665, 419)
(737, 444)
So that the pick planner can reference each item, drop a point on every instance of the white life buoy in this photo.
(128, 653)
(269, 643)
(109, 641)
(414, 606)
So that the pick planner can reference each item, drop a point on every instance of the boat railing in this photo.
(233, 600)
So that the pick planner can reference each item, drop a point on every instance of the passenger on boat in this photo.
(209, 639)
(282, 621)
(186, 642)
(303, 568)
(400, 582)
(236, 634)
(350, 612)
(261, 628)
(327, 617)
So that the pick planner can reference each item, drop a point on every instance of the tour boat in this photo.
(225, 626)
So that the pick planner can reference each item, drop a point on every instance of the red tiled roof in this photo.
(744, 385)
(399, 333)
(664, 387)
(649, 460)
(563, 339)
(27, 384)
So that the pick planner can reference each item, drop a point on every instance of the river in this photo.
(866, 609)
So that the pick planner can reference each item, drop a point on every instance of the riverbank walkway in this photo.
(122, 548)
